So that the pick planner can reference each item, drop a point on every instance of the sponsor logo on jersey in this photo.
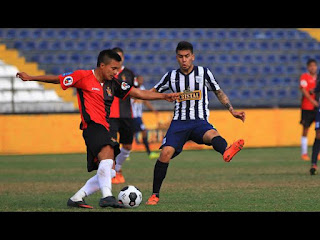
(109, 92)
(125, 86)
(67, 81)
(189, 95)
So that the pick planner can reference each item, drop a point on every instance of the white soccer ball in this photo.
(130, 196)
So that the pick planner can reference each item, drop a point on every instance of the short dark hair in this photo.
(118, 49)
(311, 60)
(105, 57)
(184, 45)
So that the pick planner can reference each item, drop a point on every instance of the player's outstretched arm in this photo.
(223, 98)
(150, 95)
(45, 78)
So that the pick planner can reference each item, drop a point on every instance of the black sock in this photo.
(219, 144)
(146, 144)
(315, 151)
(159, 173)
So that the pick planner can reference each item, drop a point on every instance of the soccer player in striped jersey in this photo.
(191, 112)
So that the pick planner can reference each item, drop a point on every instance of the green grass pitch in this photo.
(270, 179)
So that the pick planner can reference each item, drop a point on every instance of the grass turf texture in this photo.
(270, 179)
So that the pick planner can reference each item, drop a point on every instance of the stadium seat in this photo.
(5, 84)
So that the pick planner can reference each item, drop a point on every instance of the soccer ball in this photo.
(130, 196)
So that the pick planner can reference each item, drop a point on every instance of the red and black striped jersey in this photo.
(94, 99)
(121, 108)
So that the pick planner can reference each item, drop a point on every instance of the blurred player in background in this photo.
(191, 113)
(121, 119)
(96, 89)
(309, 104)
(316, 143)
(137, 108)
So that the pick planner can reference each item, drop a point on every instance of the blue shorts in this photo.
(138, 125)
(317, 126)
(181, 131)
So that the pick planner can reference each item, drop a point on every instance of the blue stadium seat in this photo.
(235, 58)
(271, 58)
(137, 34)
(258, 58)
(233, 34)
(242, 69)
(75, 34)
(228, 46)
(49, 33)
(257, 94)
(246, 94)
(237, 82)
(223, 58)
(217, 46)
(233, 94)
(254, 70)
(199, 34)
(251, 82)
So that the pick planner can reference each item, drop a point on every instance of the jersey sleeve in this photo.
(303, 82)
(122, 89)
(71, 79)
(163, 85)
(210, 80)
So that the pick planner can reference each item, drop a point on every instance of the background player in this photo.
(95, 91)
(190, 120)
(121, 119)
(309, 104)
(137, 109)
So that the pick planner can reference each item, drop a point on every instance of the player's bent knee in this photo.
(127, 146)
(166, 154)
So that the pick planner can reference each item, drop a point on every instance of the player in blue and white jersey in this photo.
(191, 112)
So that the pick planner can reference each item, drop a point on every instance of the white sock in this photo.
(104, 177)
(122, 156)
(91, 186)
(304, 145)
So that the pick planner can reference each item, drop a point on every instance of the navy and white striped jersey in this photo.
(137, 105)
(193, 102)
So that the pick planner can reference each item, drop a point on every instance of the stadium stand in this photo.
(25, 97)
(256, 67)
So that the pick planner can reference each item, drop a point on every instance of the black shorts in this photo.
(125, 128)
(308, 117)
(96, 136)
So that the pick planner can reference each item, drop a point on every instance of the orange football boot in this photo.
(233, 150)
(119, 178)
(305, 157)
(153, 200)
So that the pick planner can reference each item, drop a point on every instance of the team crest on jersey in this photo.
(67, 81)
(189, 95)
(125, 86)
(109, 92)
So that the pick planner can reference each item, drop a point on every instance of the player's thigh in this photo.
(166, 154)
(106, 152)
(203, 132)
